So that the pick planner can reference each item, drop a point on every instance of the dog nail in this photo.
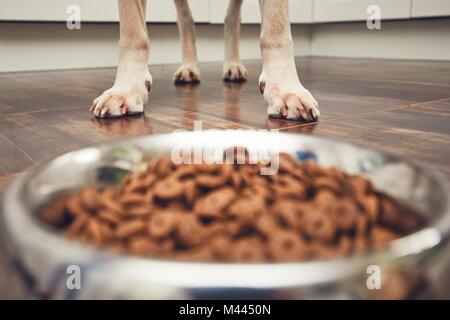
(262, 86)
(148, 85)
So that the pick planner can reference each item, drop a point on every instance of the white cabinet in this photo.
(164, 10)
(300, 11)
(217, 10)
(356, 10)
(56, 10)
(250, 12)
(94, 11)
(430, 8)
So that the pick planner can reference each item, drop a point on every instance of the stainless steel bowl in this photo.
(45, 255)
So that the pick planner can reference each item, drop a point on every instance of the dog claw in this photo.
(148, 85)
(262, 86)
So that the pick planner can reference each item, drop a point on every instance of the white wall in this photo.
(41, 46)
(414, 39)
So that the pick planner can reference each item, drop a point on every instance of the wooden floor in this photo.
(401, 107)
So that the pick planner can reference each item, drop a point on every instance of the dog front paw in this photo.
(187, 73)
(122, 100)
(288, 99)
(234, 72)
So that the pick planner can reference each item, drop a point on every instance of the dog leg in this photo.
(279, 83)
(133, 80)
(233, 69)
(188, 72)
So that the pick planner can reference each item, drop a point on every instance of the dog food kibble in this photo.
(232, 213)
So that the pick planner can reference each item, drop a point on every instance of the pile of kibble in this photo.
(232, 213)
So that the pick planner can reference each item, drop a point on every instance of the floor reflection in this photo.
(290, 125)
(188, 103)
(125, 126)
(231, 91)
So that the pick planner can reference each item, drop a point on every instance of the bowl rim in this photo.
(218, 274)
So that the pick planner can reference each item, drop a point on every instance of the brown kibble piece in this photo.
(165, 166)
(358, 185)
(397, 216)
(381, 236)
(247, 209)
(220, 245)
(327, 182)
(360, 244)
(184, 172)
(108, 216)
(190, 232)
(129, 228)
(286, 246)
(210, 181)
(136, 185)
(53, 213)
(132, 199)
(168, 189)
(106, 231)
(344, 246)
(247, 250)
(143, 246)
(109, 202)
(190, 193)
(266, 224)
(74, 207)
(288, 186)
(361, 225)
(288, 212)
(214, 202)
(162, 224)
(344, 214)
(202, 253)
(116, 246)
(89, 198)
(236, 180)
(370, 206)
(286, 163)
(325, 197)
(142, 210)
(318, 225)
(94, 231)
(77, 225)
(311, 168)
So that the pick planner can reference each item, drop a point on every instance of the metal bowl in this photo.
(46, 256)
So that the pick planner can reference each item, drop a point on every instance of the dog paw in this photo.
(187, 74)
(234, 72)
(123, 99)
(288, 99)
